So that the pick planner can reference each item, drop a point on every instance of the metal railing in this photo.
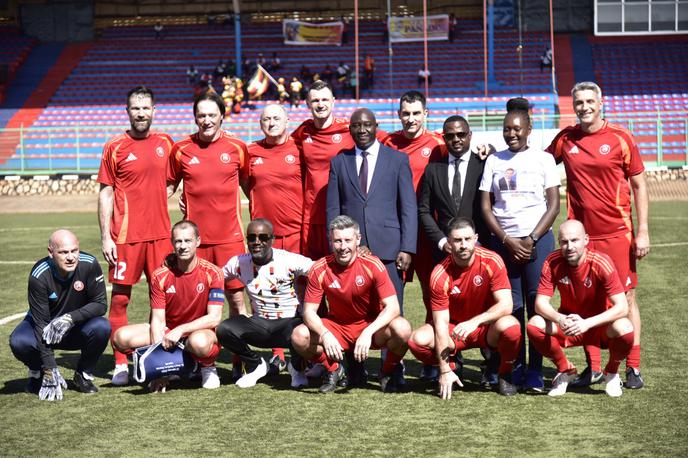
(77, 148)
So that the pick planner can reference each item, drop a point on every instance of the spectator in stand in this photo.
(192, 75)
(546, 59)
(262, 61)
(219, 71)
(305, 73)
(422, 76)
(520, 201)
(275, 62)
(295, 92)
(327, 74)
(369, 71)
(158, 28)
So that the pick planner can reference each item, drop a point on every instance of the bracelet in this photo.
(506, 236)
(324, 333)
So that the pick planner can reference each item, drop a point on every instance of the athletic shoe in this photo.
(587, 377)
(429, 373)
(209, 378)
(237, 371)
(298, 378)
(84, 382)
(250, 379)
(315, 371)
(276, 365)
(33, 384)
(195, 374)
(534, 381)
(120, 376)
(332, 379)
(613, 385)
(634, 380)
(393, 382)
(507, 388)
(560, 382)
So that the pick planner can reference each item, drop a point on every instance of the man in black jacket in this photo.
(67, 302)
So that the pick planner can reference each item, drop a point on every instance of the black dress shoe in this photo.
(83, 384)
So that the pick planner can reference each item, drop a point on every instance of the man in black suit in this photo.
(372, 184)
(449, 187)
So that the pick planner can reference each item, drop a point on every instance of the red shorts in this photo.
(476, 339)
(219, 254)
(595, 336)
(291, 242)
(314, 241)
(347, 334)
(622, 251)
(135, 258)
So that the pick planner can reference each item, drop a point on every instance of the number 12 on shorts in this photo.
(120, 268)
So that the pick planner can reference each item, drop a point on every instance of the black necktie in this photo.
(363, 173)
(456, 185)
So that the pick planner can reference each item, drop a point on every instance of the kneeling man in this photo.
(471, 304)
(587, 282)
(66, 307)
(269, 276)
(363, 310)
(186, 298)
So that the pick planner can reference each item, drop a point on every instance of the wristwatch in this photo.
(534, 238)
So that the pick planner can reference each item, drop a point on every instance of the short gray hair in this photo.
(587, 86)
(342, 222)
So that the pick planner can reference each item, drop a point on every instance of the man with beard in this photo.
(132, 209)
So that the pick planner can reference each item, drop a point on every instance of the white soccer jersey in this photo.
(271, 287)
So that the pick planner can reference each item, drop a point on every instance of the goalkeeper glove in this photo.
(52, 385)
(56, 329)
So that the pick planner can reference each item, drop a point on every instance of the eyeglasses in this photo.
(255, 237)
(459, 135)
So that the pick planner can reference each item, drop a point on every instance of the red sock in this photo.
(633, 359)
(619, 348)
(330, 365)
(423, 354)
(279, 352)
(508, 345)
(549, 347)
(209, 359)
(118, 319)
(390, 362)
(593, 356)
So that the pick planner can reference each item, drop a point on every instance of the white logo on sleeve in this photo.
(130, 158)
(258, 161)
(574, 150)
(171, 290)
(455, 290)
(194, 160)
(565, 280)
(335, 285)
(308, 139)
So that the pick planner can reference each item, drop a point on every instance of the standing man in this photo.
(449, 187)
(274, 163)
(601, 160)
(363, 312)
(210, 162)
(67, 302)
(132, 209)
(186, 306)
(270, 277)
(372, 183)
(471, 308)
(593, 309)
(319, 140)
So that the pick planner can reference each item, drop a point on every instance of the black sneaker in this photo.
(332, 378)
(429, 373)
(586, 378)
(634, 381)
(276, 365)
(238, 371)
(33, 384)
(507, 388)
(83, 384)
(356, 372)
(393, 382)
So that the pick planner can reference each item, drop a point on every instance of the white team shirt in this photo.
(518, 182)
(270, 287)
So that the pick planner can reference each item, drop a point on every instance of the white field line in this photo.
(10, 318)
(43, 228)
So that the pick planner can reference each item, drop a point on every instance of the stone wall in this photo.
(662, 184)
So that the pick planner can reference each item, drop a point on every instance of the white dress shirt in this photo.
(372, 151)
(463, 169)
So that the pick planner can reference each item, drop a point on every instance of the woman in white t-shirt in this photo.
(520, 201)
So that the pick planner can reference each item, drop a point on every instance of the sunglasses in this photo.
(255, 237)
(459, 135)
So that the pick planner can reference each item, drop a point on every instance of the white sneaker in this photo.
(315, 371)
(613, 385)
(120, 375)
(209, 378)
(560, 382)
(298, 378)
(250, 379)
